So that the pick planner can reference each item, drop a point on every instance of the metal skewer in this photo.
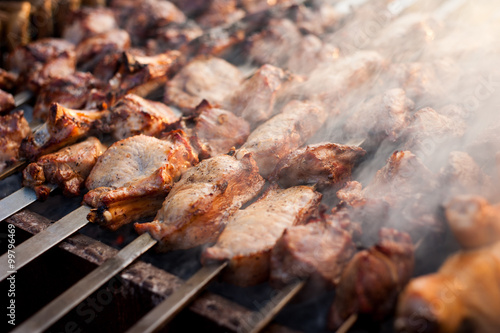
(18, 200)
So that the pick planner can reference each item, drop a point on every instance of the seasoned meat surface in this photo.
(132, 178)
(252, 232)
(88, 22)
(208, 78)
(67, 168)
(200, 204)
(282, 134)
(92, 50)
(7, 102)
(13, 129)
(315, 249)
(220, 12)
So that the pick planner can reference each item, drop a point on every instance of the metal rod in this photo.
(261, 318)
(163, 313)
(44, 240)
(18, 166)
(347, 325)
(56, 309)
(22, 97)
(17, 201)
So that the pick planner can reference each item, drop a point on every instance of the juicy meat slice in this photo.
(63, 127)
(254, 99)
(317, 250)
(252, 232)
(71, 91)
(282, 134)
(219, 130)
(67, 168)
(7, 102)
(132, 178)
(142, 75)
(92, 50)
(220, 12)
(384, 116)
(200, 204)
(373, 279)
(87, 22)
(134, 115)
(209, 78)
(352, 194)
(13, 129)
(328, 165)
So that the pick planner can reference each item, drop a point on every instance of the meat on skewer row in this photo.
(13, 129)
(7, 102)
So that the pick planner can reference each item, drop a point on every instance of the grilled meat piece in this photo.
(173, 36)
(372, 280)
(13, 129)
(7, 79)
(327, 165)
(252, 232)
(316, 249)
(200, 204)
(255, 98)
(132, 178)
(134, 115)
(63, 127)
(7, 102)
(71, 91)
(209, 78)
(252, 6)
(217, 42)
(310, 53)
(282, 134)
(220, 12)
(67, 168)
(142, 75)
(88, 22)
(463, 296)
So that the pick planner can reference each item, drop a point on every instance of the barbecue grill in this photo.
(197, 297)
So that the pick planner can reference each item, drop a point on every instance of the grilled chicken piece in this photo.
(219, 130)
(220, 12)
(327, 165)
(7, 80)
(282, 134)
(217, 42)
(88, 22)
(310, 53)
(200, 204)
(463, 296)
(274, 44)
(372, 280)
(254, 100)
(252, 232)
(142, 75)
(41, 60)
(173, 37)
(68, 168)
(383, 117)
(7, 102)
(134, 115)
(93, 50)
(209, 78)
(132, 178)
(72, 91)
(316, 249)
(63, 127)
(13, 129)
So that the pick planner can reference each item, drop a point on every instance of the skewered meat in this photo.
(318, 19)
(219, 130)
(142, 75)
(7, 79)
(316, 249)
(310, 53)
(253, 6)
(325, 164)
(474, 221)
(193, 7)
(254, 99)
(7, 102)
(63, 127)
(134, 115)
(207, 78)
(372, 280)
(68, 168)
(220, 12)
(13, 129)
(173, 36)
(464, 295)
(71, 91)
(88, 22)
(200, 204)
(252, 232)
(282, 134)
(131, 179)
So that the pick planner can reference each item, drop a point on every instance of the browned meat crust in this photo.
(327, 165)
(143, 172)
(200, 204)
(93, 49)
(13, 129)
(372, 280)
(87, 22)
(220, 12)
(7, 80)
(252, 232)
(68, 168)
(7, 102)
